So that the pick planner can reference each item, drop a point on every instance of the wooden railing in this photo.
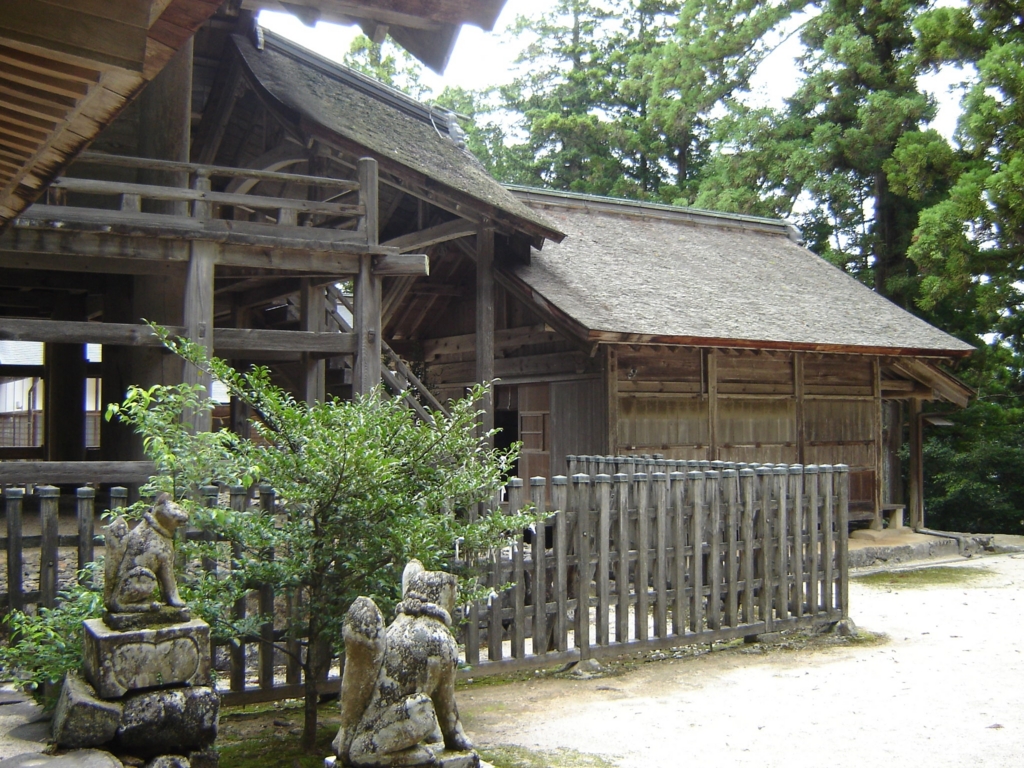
(202, 212)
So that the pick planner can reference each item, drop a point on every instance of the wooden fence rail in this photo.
(628, 561)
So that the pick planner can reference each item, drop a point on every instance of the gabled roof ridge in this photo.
(364, 83)
(624, 206)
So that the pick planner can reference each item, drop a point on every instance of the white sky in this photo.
(483, 59)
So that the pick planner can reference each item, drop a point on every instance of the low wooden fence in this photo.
(629, 561)
(639, 560)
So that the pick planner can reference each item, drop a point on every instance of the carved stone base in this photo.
(118, 662)
(124, 622)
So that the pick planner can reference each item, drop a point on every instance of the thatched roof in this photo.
(650, 273)
(381, 122)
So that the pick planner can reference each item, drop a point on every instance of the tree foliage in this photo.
(363, 488)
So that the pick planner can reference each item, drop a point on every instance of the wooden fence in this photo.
(630, 561)
(637, 560)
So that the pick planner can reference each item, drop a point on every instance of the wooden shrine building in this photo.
(658, 330)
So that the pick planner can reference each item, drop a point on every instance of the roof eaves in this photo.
(618, 337)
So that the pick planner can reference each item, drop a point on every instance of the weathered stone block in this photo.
(118, 662)
(82, 719)
(169, 722)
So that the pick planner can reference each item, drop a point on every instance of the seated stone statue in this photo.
(398, 687)
(141, 560)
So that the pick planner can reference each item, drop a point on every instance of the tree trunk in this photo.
(316, 668)
(311, 692)
(312, 698)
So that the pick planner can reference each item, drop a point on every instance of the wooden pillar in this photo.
(197, 308)
(876, 380)
(798, 393)
(485, 321)
(240, 415)
(611, 378)
(65, 371)
(916, 468)
(311, 318)
(892, 434)
(712, 385)
(198, 312)
(118, 441)
(366, 319)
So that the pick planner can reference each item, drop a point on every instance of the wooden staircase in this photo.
(397, 377)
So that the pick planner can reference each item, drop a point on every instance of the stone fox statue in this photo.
(142, 559)
(398, 688)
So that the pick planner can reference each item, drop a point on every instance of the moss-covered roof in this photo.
(675, 275)
(383, 122)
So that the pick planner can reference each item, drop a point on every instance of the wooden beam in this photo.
(554, 316)
(77, 332)
(57, 249)
(367, 288)
(572, 364)
(131, 335)
(485, 323)
(390, 265)
(73, 472)
(441, 233)
(327, 343)
(898, 385)
(510, 338)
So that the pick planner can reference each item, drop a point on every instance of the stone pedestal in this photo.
(148, 694)
(118, 662)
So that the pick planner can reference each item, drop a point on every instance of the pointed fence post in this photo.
(49, 501)
(538, 552)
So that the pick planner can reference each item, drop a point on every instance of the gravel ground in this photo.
(946, 689)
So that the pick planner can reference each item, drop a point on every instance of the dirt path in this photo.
(947, 689)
